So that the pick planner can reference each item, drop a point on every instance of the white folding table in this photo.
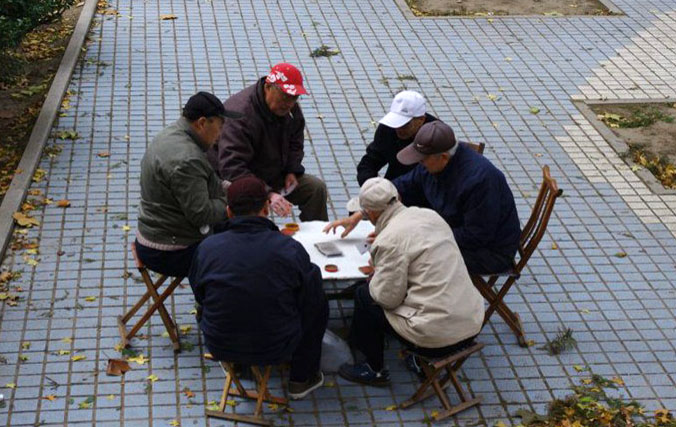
(348, 264)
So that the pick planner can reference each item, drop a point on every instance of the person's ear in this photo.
(266, 209)
(229, 212)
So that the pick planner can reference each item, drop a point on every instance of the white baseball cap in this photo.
(405, 106)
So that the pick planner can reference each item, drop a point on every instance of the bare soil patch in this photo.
(649, 129)
(20, 101)
(507, 7)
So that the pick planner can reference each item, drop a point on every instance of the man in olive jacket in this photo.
(268, 142)
(181, 195)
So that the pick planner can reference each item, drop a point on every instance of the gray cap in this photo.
(377, 194)
(432, 138)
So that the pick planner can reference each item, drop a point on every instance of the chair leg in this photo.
(158, 305)
(496, 303)
(433, 385)
(260, 395)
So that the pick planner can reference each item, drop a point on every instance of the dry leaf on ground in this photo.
(24, 220)
(117, 367)
(168, 17)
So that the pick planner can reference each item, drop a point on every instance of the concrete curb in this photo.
(43, 125)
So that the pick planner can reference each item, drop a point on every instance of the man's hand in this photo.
(290, 183)
(371, 238)
(280, 206)
(348, 224)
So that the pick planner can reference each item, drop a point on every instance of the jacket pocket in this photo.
(405, 311)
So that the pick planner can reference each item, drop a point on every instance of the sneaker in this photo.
(364, 374)
(298, 390)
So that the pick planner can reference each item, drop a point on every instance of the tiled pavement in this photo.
(137, 72)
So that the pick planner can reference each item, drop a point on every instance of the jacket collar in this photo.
(261, 105)
(452, 162)
(184, 125)
(242, 224)
(393, 210)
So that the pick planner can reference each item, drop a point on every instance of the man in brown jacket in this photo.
(268, 142)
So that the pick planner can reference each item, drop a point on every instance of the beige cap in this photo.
(377, 194)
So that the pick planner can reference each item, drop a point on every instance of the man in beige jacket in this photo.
(420, 290)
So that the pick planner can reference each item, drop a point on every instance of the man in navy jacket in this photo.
(262, 299)
(468, 191)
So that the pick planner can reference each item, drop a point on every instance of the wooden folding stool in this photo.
(158, 305)
(433, 384)
(530, 238)
(260, 394)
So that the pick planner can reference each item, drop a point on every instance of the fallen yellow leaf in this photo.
(64, 352)
(232, 403)
(391, 408)
(50, 397)
(140, 359)
(78, 357)
(90, 299)
(24, 220)
(67, 339)
(63, 203)
(555, 246)
(185, 329)
(152, 378)
(579, 368)
(10, 385)
(168, 17)
(126, 228)
(174, 423)
(621, 254)
(103, 154)
(110, 397)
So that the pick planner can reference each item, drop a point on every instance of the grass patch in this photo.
(563, 341)
(638, 118)
(324, 51)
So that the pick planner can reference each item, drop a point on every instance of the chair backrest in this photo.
(479, 148)
(537, 223)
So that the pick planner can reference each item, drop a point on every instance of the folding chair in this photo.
(432, 384)
(158, 305)
(530, 238)
(260, 394)
(479, 148)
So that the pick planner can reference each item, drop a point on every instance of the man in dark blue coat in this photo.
(262, 299)
(468, 191)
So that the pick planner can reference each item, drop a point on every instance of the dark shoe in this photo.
(364, 374)
(298, 390)
(413, 364)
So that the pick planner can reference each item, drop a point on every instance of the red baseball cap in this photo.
(287, 78)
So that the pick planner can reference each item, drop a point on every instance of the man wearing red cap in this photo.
(268, 142)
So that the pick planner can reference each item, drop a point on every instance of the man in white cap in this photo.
(268, 142)
(420, 290)
(395, 131)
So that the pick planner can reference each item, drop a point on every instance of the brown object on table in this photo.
(260, 394)
(530, 237)
(287, 231)
(117, 367)
(331, 268)
(435, 384)
(157, 305)
(366, 269)
(292, 226)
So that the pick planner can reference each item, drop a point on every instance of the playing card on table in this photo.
(363, 247)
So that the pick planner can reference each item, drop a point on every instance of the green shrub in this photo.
(17, 17)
